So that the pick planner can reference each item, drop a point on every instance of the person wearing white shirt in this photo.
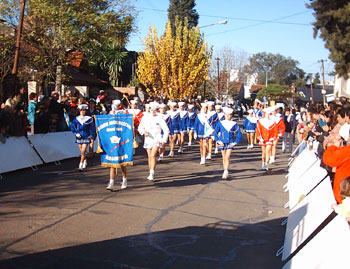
(156, 132)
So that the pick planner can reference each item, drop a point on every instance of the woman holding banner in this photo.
(156, 132)
(83, 128)
(113, 171)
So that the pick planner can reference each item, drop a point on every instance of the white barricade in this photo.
(17, 153)
(328, 249)
(304, 218)
(54, 147)
(305, 183)
(298, 166)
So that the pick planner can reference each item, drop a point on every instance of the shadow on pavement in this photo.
(216, 245)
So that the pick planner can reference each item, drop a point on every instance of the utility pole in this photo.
(312, 90)
(18, 42)
(218, 61)
(323, 84)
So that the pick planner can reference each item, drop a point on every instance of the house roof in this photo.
(256, 87)
(318, 97)
(79, 77)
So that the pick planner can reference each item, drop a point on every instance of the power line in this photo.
(256, 24)
(276, 21)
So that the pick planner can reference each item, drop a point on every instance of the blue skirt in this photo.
(83, 140)
(226, 146)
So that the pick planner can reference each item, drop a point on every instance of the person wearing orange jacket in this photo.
(266, 133)
(339, 157)
(281, 127)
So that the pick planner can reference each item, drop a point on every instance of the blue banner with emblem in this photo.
(115, 139)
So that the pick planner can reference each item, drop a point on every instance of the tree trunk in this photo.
(58, 85)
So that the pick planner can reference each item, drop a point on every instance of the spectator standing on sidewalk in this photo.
(33, 97)
(291, 126)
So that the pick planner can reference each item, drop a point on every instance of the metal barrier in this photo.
(17, 153)
(54, 147)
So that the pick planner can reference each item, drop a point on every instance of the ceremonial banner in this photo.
(115, 138)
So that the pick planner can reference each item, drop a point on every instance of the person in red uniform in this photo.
(266, 133)
(339, 157)
(281, 127)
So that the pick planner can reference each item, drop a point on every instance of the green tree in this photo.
(279, 69)
(317, 79)
(182, 9)
(275, 91)
(53, 28)
(332, 24)
(7, 48)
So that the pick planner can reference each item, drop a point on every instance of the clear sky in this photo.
(276, 26)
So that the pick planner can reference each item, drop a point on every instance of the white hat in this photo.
(162, 105)
(210, 103)
(147, 105)
(181, 103)
(83, 106)
(134, 102)
(227, 110)
(154, 106)
(204, 104)
(190, 106)
(258, 101)
(116, 102)
(172, 104)
(250, 111)
(218, 107)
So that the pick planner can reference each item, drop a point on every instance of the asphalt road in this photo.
(58, 217)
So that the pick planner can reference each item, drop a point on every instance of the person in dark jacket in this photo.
(290, 122)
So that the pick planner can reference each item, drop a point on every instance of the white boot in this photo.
(251, 146)
(216, 151)
(151, 175)
(84, 164)
(81, 166)
(124, 183)
(225, 174)
(263, 166)
(160, 158)
(189, 144)
(110, 185)
(202, 161)
(272, 159)
(171, 154)
(208, 156)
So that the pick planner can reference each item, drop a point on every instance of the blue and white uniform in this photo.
(221, 116)
(191, 120)
(249, 124)
(202, 127)
(212, 118)
(183, 119)
(257, 113)
(174, 126)
(84, 129)
(228, 133)
(166, 118)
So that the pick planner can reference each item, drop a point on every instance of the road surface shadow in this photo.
(216, 245)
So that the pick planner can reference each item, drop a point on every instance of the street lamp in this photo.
(219, 22)
(217, 59)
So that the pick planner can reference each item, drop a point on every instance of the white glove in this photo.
(78, 135)
(195, 135)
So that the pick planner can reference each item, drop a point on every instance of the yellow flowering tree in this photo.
(174, 66)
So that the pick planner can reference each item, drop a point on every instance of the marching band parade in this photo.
(167, 126)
